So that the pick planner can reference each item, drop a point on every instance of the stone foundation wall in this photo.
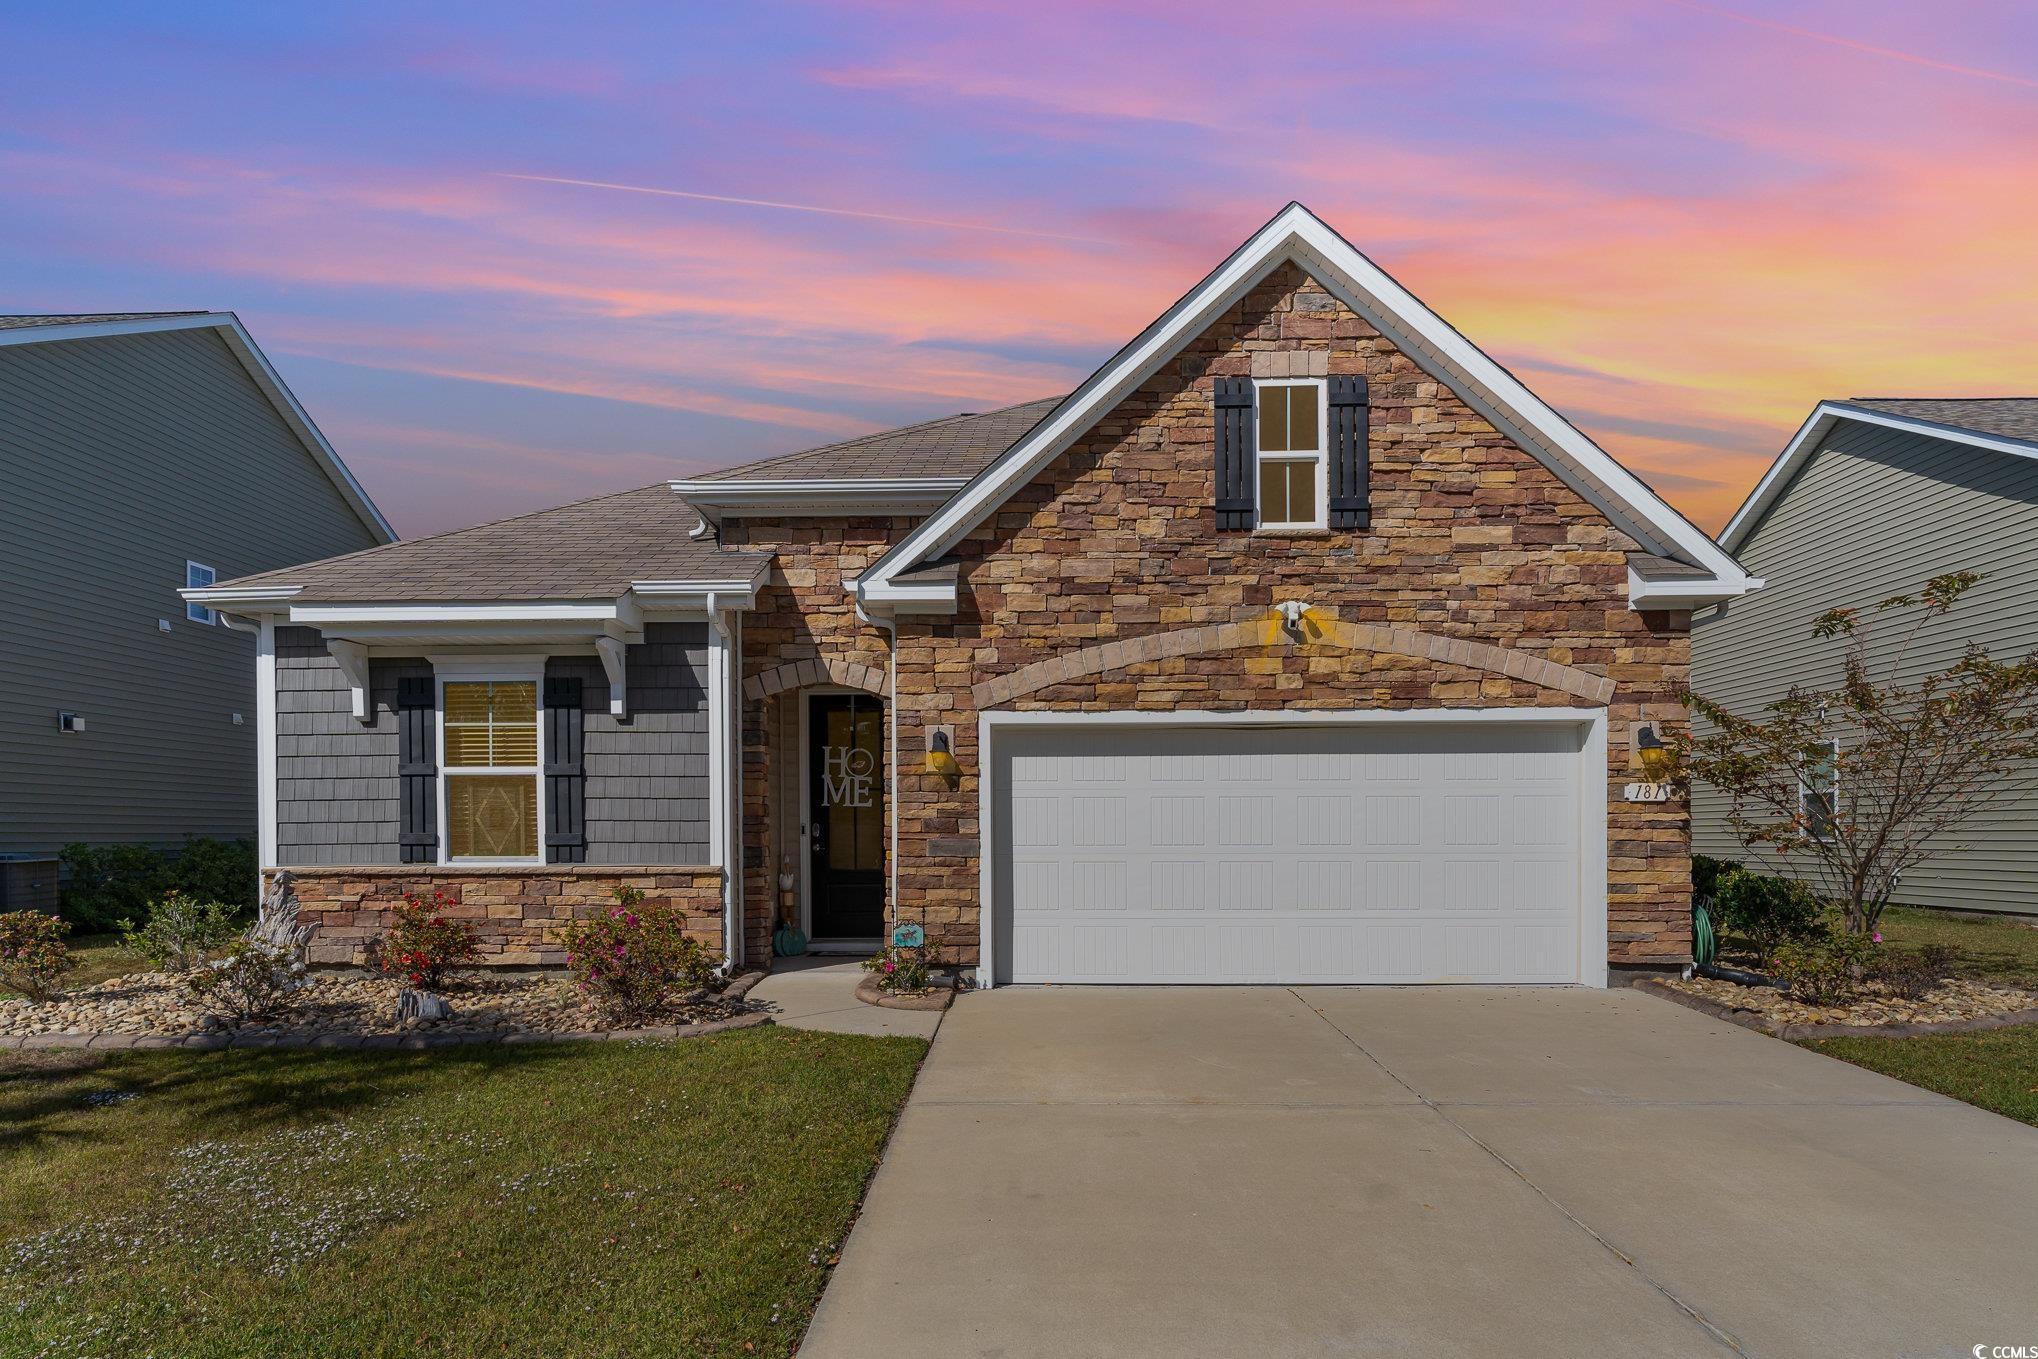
(515, 910)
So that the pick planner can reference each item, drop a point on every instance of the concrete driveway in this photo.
(1489, 1171)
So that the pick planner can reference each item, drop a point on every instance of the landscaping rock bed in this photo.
(343, 1009)
(1953, 1006)
(871, 991)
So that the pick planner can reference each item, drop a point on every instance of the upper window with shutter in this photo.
(490, 773)
(1289, 439)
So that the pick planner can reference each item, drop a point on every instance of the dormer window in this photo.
(1290, 423)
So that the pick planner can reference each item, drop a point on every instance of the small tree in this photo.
(1869, 778)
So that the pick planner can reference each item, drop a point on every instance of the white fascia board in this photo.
(699, 596)
(1686, 593)
(592, 612)
(259, 368)
(735, 497)
(888, 598)
(1299, 235)
(1812, 433)
(258, 598)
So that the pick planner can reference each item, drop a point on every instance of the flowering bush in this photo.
(905, 967)
(249, 978)
(33, 957)
(630, 959)
(181, 933)
(421, 945)
(1825, 969)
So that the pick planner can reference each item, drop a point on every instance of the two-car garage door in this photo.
(1417, 852)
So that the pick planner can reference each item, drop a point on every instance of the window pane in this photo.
(1302, 491)
(1302, 420)
(1273, 419)
(491, 816)
(1273, 492)
(491, 724)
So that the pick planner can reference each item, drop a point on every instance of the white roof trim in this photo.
(1682, 593)
(258, 367)
(734, 496)
(1299, 235)
(1813, 432)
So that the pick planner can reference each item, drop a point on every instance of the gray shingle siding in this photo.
(647, 780)
(121, 457)
(1873, 513)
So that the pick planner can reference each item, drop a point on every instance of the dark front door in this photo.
(846, 797)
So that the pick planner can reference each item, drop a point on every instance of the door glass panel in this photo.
(850, 745)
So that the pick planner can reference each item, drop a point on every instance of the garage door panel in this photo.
(1318, 854)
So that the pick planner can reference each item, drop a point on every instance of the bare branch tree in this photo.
(1870, 778)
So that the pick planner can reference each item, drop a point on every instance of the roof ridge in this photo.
(1939, 398)
(778, 458)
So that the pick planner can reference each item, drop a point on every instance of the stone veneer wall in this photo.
(1472, 540)
(515, 910)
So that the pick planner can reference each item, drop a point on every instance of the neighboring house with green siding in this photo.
(1873, 497)
(142, 453)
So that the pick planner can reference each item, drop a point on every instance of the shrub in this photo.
(905, 967)
(248, 979)
(421, 945)
(1706, 873)
(181, 932)
(107, 886)
(1767, 912)
(33, 957)
(629, 960)
(1824, 969)
(1912, 974)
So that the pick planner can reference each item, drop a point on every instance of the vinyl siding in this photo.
(1873, 513)
(647, 773)
(121, 458)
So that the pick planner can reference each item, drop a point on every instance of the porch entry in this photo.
(846, 820)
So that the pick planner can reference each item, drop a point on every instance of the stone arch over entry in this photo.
(1252, 635)
(871, 679)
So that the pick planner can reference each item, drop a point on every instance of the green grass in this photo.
(1996, 1069)
(99, 956)
(1986, 948)
(679, 1198)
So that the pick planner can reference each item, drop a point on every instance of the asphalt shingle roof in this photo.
(591, 549)
(2008, 417)
(954, 446)
(87, 318)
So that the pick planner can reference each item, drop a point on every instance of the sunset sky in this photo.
(1681, 223)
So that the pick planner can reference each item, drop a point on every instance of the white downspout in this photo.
(724, 775)
(265, 750)
(891, 627)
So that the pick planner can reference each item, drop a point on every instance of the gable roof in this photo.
(592, 549)
(51, 329)
(1297, 235)
(953, 446)
(2000, 424)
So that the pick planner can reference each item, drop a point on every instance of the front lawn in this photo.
(1995, 1069)
(677, 1198)
(1986, 948)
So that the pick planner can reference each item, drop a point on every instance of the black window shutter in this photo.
(1351, 506)
(417, 769)
(565, 773)
(1236, 463)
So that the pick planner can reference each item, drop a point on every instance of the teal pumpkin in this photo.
(790, 941)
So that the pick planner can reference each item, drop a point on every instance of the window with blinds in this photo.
(491, 768)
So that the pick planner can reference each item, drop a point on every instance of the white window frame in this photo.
(1805, 792)
(198, 613)
(499, 672)
(1321, 457)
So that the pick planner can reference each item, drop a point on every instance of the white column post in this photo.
(725, 802)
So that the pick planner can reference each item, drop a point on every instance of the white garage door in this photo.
(1393, 853)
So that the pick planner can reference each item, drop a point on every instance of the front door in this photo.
(846, 798)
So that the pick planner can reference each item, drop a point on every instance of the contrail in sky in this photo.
(1835, 40)
(801, 207)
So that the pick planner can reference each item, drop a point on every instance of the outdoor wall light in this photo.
(941, 753)
(1657, 759)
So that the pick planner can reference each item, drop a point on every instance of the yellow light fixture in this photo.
(940, 759)
(1658, 760)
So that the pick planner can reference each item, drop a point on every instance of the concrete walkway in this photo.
(818, 991)
(1184, 1172)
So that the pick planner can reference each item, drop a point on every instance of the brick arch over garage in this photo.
(870, 679)
(1252, 634)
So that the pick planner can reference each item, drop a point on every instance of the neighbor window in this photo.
(491, 768)
(197, 577)
(1818, 793)
(1291, 455)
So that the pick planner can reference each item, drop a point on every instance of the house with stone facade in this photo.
(1300, 643)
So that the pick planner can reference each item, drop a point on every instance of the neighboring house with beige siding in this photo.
(1299, 643)
(141, 453)
(1871, 498)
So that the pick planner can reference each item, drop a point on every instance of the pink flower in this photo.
(1878, 936)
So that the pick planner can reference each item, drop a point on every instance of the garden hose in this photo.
(1705, 945)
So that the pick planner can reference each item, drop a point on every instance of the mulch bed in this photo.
(1956, 1005)
(872, 992)
(344, 1010)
